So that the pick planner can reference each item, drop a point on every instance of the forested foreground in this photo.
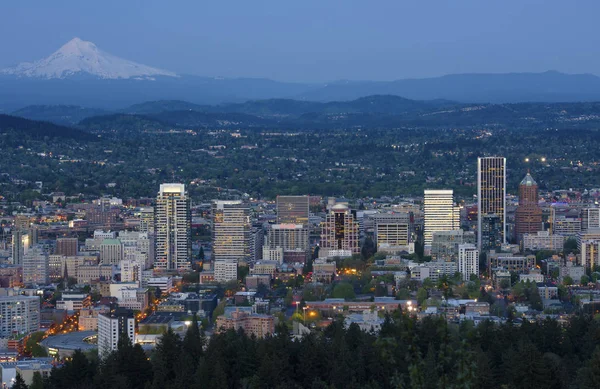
(406, 354)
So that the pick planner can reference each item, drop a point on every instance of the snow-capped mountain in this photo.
(79, 57)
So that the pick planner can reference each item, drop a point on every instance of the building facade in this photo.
(339, 233)
(113, 325)
(528, 216)
(19, 315)
(491, 194)
(172, 227)
(439, 213)
(468, 261)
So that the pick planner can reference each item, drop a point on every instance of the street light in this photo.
(304, 309)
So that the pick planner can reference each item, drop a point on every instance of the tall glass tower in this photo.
(491, 193)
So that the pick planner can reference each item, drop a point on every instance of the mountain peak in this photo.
(79, 57)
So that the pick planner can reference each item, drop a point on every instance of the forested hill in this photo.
(407, 353)
(39, 130)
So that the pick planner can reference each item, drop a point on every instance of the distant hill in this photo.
(39, 130)
(150, 107)
(115, 93)
(120, 123)
(59, 114)
(549, 86)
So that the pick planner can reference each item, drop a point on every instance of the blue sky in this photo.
(315, 40)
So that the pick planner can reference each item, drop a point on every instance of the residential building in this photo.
(252, 324)
(69, 247)
(111, 252)
(10, 275)
(19, 315)
(513, 264)
(590, 253)
(445, 243)
(88, 318)
(590, 218)
(543, 240)
(468, 261)
(528, 216)
(172, 228)
(36, 266)
(292, 239)
(86, 274)
(231, 229)
(113, 325)
(225, 270)
(439, 213)
(147, 220)
(26, 369)
(339, 233)
(491, 196)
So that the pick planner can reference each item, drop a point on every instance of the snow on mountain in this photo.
(82, 57)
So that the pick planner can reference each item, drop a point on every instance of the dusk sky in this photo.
(315, 40)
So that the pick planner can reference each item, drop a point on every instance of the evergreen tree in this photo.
(19, 382)
(37, 381)
(588, 376)
(166, 355)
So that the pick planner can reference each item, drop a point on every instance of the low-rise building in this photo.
(252, 324)
(542, 240)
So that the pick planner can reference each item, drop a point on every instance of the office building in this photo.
(445, 243)
(293, 209)
(391, 230)
(542, 240)
(20, 245)
(113, 325)
(231, 230)
(490, 234)
(36, 266)
(111, 252)
(147, 220)
(468, 261)
(339, 233)
(439, 213)
(172, 228)
(491, 195)
(528, 216)
(19, 315)
(590, 253)
(292, 239)
(68, 247)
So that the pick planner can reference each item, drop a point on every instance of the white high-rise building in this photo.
(19, 315)
(113, 325)
(111, 251)
(468, 261)
(172, 228)
(439, 213)
(491, 193)
(36, 268)
(231, 237)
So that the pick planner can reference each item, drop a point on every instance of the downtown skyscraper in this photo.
(172, 226)
(439, 213)
(491, 196)
(528, 216)
(230, 236)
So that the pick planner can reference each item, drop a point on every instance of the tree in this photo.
(421, 295)
(19, 383)
(588, 376)
(567, 281)
(343, 290)
(584, 280)
(570, 246)
(37, 381)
